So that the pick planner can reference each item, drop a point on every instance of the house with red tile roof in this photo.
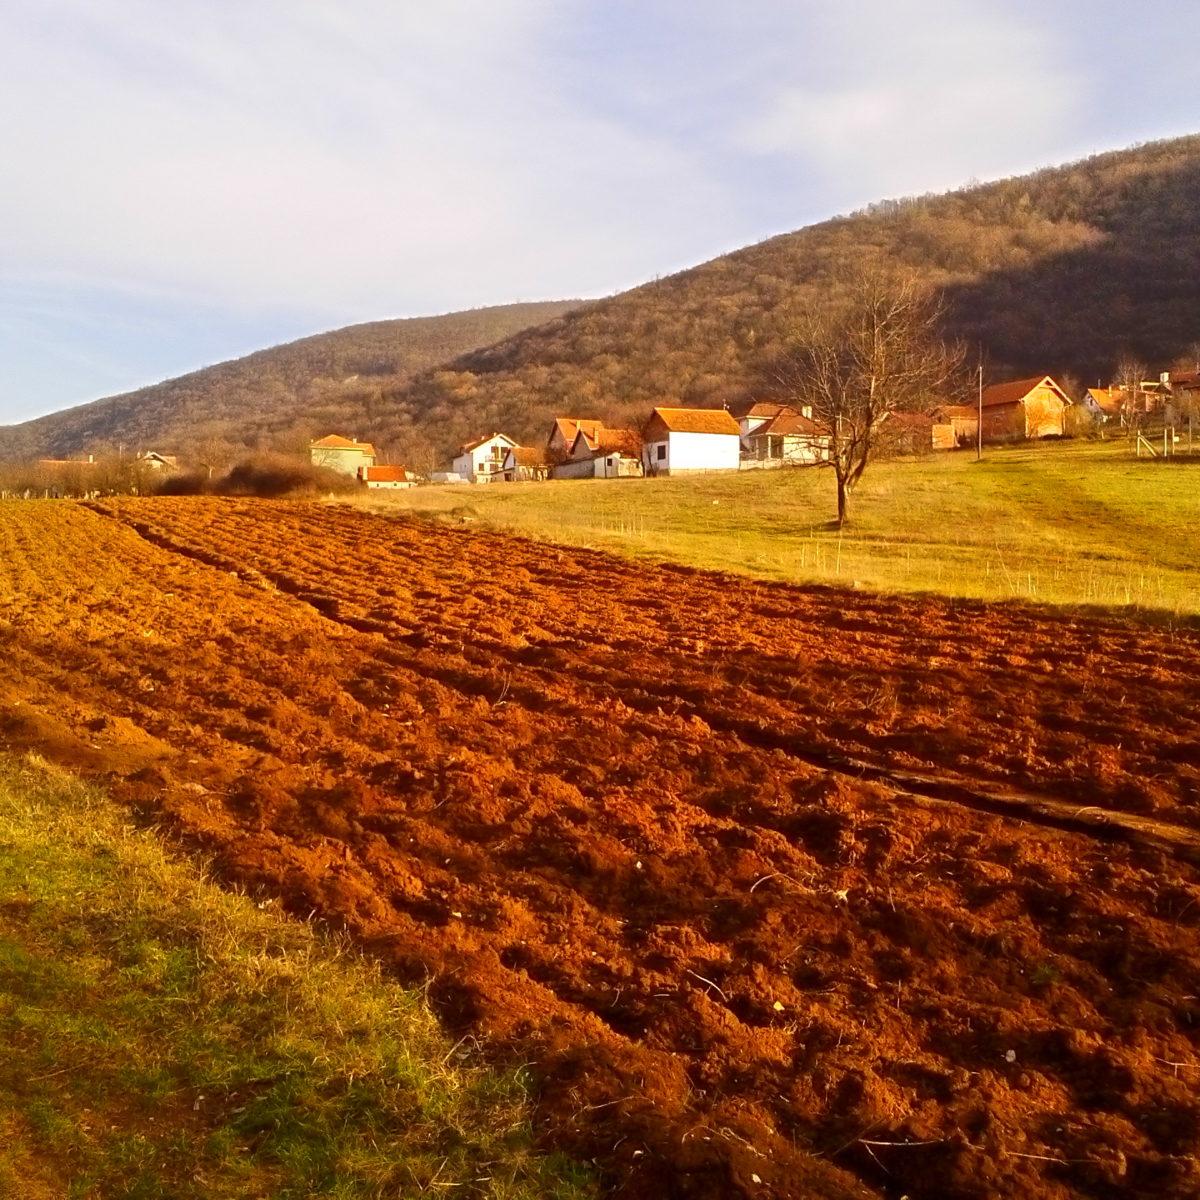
(562, 436)
(1024, 408)
(344, 455)
(389, 478)
(524, 463)
(777, 435)
(681, 440)
(602, 453)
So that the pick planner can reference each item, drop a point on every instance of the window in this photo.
(660, 451)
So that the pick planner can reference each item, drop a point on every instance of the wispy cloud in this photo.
(919, 95)
(363, 159)
(277, 166)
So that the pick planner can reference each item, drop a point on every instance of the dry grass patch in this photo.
(1073, 523)
(167, 1039)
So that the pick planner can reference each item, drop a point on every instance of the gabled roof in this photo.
(491, 437)
(1107, 399)
(697, 420)
(527, 456)
(626, 442)
(336, 442)
(386, 475)
(1015, 392)
(956, 412)
(787, 423)
(756, 408)
(570, 426)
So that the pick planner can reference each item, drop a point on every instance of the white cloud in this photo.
(327, 156)
(919, 95)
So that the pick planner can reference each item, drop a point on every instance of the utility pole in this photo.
(979, 422)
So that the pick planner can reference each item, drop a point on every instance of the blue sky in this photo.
(188, 182)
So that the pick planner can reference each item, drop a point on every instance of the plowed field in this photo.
(781, 892)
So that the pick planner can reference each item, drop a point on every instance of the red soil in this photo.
(784, 892)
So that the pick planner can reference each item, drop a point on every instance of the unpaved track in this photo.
(666, 835)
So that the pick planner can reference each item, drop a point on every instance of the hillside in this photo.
(276, 398)
(1063, 270)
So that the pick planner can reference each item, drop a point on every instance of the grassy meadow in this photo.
(164, 1038)
(1074, 523)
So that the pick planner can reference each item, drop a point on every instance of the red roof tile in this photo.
(335, 441)
(1015, 392)
(787, 422)
(570, 426)
(386, 475)
(697, 420)
(480, 441)
(528, 456)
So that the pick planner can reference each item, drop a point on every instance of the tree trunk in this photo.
(842, 496)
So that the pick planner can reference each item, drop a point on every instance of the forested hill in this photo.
(277, 398)
(1061, 271)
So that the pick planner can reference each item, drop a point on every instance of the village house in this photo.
(562, 436)
(777, 435)
(482, 461)
(679, 440)
(1183, 389)
(153, 461)
(524, 463)
(600, 453)
(1025, 408)
(389, 478)
(344, 455)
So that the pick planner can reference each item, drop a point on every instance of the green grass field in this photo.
(1074, 523)
(164, 1038)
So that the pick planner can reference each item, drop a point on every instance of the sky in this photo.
(185, 183)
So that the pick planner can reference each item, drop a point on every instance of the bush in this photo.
(264, 476)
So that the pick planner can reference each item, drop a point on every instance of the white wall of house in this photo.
(748, 425)
(345, 460)
(786, 450)
(579, 468)
(681, 452)
(484, 463)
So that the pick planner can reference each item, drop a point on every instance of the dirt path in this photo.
(785, 892)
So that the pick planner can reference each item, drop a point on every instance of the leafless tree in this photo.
(1131, 373)
(877, 353)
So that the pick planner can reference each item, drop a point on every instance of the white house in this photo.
(601, 453)
(785, 439)
(344, 455)
(157, 462)
(678, 440)
(482, 461)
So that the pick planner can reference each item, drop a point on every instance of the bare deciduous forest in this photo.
(1065, 271)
